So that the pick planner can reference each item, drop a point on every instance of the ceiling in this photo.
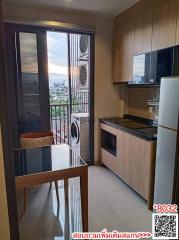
(108, 8)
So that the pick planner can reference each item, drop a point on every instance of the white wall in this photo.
(107, 102)
(4, 220)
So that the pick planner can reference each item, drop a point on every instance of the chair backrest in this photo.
(36, 139)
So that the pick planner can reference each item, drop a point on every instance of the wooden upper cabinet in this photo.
(123, 53)
(116, 56)
(164, 25)
(157, 29)
(143, 34)
(127, 52)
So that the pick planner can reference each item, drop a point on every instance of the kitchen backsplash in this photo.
(143, 102)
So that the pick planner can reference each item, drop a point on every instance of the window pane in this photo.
(28, 52)
(30, 83)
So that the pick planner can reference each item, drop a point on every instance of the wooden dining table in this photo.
(34, 166)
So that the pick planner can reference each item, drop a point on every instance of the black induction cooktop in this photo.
(117, 120)
(138, 126)
(151, 131)
(133, 125)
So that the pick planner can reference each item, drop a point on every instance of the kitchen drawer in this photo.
(109, 160)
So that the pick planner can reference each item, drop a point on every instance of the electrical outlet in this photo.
(150, 109)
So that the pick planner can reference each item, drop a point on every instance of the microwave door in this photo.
(141, 68)
(147, 68)
(165, 63)
(138, 69)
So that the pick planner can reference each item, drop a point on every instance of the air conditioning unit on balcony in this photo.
(84, 46)
(83, 76)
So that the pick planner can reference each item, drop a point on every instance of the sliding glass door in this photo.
(32, 82)
(51, 84)
(29, 80)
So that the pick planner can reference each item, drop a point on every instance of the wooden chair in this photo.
(37, 139)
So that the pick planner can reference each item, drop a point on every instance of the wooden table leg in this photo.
(84, 198)
(25, 197)
(67, 220)
(66, 188)
(25, 200)
(57, 192)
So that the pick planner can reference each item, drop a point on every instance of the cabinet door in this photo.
(123, 53)
(143, 34)
(107, 158)
(164, 25)
(136, 164)
(117, 56)
(127, 52)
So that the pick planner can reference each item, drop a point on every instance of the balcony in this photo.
(60, 120)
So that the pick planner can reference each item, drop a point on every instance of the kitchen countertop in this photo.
(141, 127)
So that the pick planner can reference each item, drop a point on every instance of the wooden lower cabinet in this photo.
(110, 161)
(134, 162)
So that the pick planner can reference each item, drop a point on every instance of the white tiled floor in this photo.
(112, 205)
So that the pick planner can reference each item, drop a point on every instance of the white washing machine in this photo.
(80, 134)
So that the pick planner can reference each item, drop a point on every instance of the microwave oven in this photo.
(149, 68)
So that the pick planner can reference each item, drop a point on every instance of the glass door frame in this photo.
(10, 27)
(5, 125)
(12, 32)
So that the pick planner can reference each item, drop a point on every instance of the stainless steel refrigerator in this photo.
(167, 147)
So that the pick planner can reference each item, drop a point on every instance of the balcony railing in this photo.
(60, 120)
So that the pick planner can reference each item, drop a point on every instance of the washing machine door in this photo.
(75, 132)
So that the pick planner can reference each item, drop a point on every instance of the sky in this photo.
(57, 52)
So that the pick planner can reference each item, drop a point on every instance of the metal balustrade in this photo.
(60, 120)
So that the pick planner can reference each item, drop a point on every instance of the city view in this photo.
(57, 67)
(58, 88)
